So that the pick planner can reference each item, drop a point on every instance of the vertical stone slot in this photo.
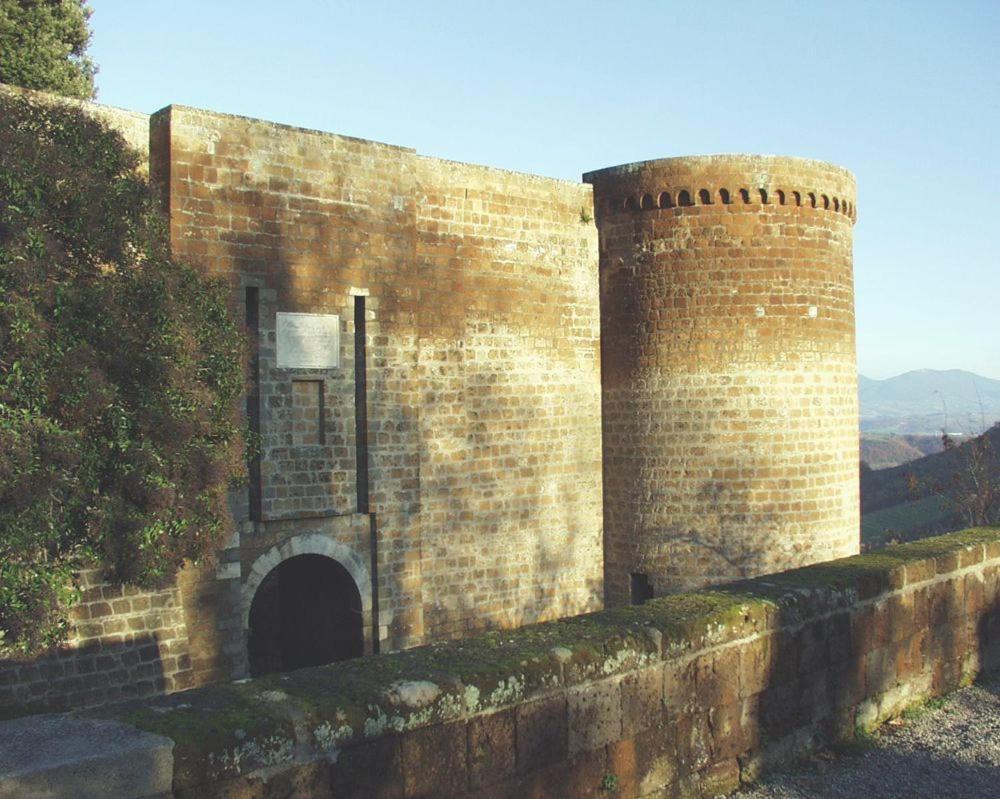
(252, 303)
(361, 447)
(361, 402)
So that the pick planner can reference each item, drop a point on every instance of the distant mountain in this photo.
(928, 401)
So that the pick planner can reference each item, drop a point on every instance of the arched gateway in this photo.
(305, 606)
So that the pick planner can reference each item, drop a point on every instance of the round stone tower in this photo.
(729, 369)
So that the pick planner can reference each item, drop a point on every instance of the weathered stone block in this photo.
(946, 563)
(541, 733)
(880, 671)
(372, 769)
(918, 571)
(755, 665)
(816, 696)
(718, 678)
(680, 685)
(726, 725)
(435, 761)
(812, 646)
(645, 763)
(869, 628)
(900, 614)
(492, 749)
(780, 711)
(581, 776)
(595, 715)
(970, 555)
(642, 700)
(692, 741)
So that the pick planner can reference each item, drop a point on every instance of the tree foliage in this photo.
(43, 45)
(120, 376)
(973, 488)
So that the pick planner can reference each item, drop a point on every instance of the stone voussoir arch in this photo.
(308, 544)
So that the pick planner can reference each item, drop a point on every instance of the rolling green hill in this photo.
(904, 502)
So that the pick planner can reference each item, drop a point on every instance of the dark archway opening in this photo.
(306, 612)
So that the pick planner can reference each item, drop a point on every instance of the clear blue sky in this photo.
(905, 94)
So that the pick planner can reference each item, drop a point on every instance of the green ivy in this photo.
(121, 375)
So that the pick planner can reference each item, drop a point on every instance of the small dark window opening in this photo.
(798, 197)
(781, 197)
(705, 197)
(647, 202)
(631, 204)
(812, 199)
(665, 200)
(745, 195)
(763, 196)
(836, 204)
(684, 198)
(641, 589)
(826, 201)
(724, 196)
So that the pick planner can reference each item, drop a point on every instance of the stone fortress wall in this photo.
(449, 462)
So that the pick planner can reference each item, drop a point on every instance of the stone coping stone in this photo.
(65, 756)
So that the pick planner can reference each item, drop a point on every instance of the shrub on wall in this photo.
(120, 376)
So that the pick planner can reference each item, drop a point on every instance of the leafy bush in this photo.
(121, 372)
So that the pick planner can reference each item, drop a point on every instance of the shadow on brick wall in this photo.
(93, 674)
(496, 537)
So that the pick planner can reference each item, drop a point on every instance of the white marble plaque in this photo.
(308, 341)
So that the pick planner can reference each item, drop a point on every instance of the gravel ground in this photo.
(950, 752)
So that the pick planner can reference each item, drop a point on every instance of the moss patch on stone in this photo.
(219, 731)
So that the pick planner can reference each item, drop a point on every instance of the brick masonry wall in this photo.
(730, 396)
(688, 695)
(482, 346)
(510, 408)
(125, 642)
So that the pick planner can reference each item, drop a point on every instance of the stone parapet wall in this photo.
(686, 695)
